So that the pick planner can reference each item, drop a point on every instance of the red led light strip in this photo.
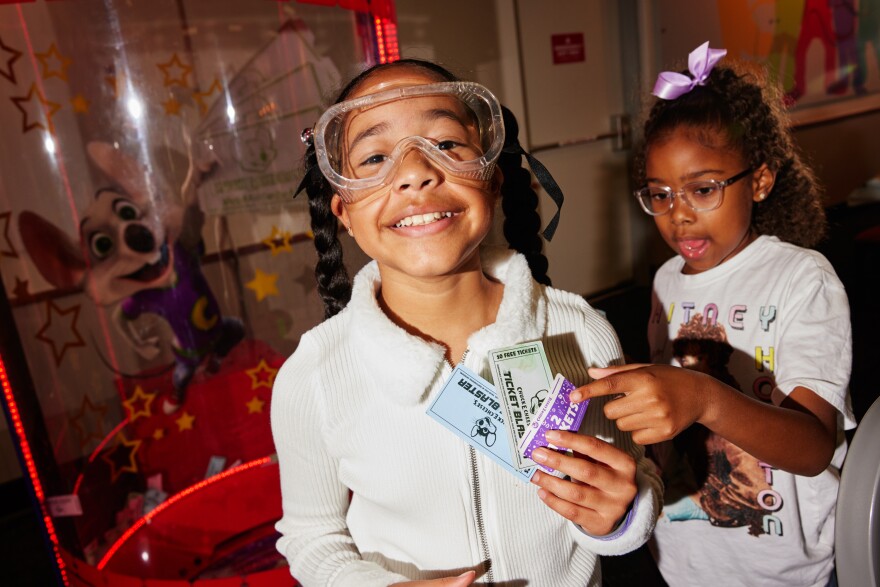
(174, 499)
(386, 40)
(31, 467)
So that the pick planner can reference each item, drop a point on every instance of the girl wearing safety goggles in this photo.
(413, 164)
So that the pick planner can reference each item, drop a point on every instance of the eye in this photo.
(125, 210)
(100, 244)
(703, 190)
(659, 195)
(447, 145)
(377, 159)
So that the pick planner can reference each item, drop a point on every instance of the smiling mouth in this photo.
(422, 219)
(151, 271)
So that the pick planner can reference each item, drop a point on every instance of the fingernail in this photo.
(536, 477)
(552, 435)
(539, 455)
(575, 396)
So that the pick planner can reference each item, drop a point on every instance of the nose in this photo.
(415, 173)
(681, 213)
(139, 238)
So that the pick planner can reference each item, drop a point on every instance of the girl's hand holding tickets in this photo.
(601, 486)
(655, 403)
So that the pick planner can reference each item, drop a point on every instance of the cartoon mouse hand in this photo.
(147, 347)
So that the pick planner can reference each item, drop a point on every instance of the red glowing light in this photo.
(386, 40)
(30, 466)
(174, 499)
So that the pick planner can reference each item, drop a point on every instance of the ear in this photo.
(57, 256)
(337, 206)
(762, 182)
(497, 181)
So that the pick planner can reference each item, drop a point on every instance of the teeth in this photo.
(420, 219)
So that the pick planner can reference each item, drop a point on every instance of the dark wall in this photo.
(844, 153)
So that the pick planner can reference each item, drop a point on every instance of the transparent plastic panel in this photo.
(158, 269)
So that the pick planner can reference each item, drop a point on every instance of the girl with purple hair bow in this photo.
(747, 416)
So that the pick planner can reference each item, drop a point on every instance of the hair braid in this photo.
(519, 202)
(334, 284)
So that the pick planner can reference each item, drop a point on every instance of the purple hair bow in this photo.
(670, 84)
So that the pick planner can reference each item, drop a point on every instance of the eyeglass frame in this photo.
(681, 193)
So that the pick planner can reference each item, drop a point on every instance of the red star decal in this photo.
(21, 290)
(10, 251)
(63, 333)
(37, 105)
(14, 56)
(93, 430)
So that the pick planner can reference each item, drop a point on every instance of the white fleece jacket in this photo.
(348, 414)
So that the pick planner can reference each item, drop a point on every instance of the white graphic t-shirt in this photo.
(772, 318)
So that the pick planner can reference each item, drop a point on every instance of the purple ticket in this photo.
(556, 413)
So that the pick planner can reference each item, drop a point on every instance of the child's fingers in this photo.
(605, 455)
(571, 509)
(608, 381)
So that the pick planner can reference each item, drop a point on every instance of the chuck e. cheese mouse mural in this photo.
(139, 247)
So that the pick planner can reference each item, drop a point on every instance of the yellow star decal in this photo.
(172, 107)
(139, 404)
(80, 104)
(255, 406)
(35, 107)
(262, 375)
(263, 285)
(54, 57)
(121, 456)
(185, 422)
(158, 434)
(203, 97)
(278, 241)
(175, 72)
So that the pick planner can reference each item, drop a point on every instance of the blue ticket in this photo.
(468, 406)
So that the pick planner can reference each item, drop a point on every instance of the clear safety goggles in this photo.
(456, 126)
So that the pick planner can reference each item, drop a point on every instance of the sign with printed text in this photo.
(568, 48)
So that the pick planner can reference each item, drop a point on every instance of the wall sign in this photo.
(567, 48)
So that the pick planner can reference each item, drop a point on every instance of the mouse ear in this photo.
(57, 256)
(124, 170)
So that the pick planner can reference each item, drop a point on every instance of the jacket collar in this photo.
(404, 365)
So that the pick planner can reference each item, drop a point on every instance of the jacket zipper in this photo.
(478, 513)
(478, 505)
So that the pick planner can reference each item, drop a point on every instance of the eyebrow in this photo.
(689, 176)
(369, 132)
(429, 115)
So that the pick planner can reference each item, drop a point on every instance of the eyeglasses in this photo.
(701, 196)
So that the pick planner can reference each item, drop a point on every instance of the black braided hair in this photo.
(738, 101)
(519, 201)
(521, 226)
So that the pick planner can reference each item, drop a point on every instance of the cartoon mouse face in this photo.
(485, 428)
(127, 246)
(126, 235)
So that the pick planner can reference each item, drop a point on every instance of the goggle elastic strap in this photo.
(547, 182)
